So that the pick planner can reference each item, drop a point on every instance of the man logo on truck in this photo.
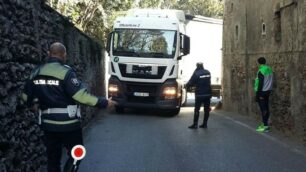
(142, 70)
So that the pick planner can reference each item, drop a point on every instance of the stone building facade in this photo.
(275, 29)
(27, 28)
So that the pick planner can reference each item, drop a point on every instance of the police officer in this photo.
(57, 91)
(201, 80)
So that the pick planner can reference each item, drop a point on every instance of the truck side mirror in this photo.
(184, 45)
(109, 40)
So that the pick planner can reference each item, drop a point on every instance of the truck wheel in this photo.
(119, 109)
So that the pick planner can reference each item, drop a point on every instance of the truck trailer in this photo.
(146, 48)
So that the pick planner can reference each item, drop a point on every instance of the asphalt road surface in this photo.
(144, 141)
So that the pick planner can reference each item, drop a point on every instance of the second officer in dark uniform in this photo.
(58, 91)
(201, 80)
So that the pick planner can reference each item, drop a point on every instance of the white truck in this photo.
(146, 48)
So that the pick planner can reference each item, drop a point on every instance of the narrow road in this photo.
(145, 142)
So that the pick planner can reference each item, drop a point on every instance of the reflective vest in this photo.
(267, 82)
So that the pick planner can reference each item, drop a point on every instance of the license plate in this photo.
(139, 94)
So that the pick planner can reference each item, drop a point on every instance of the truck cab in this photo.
(145, 49)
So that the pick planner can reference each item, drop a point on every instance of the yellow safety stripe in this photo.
(60, 122)
(24, 97)
(84, 97)
(55, 70)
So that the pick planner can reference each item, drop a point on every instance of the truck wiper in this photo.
(160, 55)
(126, 53)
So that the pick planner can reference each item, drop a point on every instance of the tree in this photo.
(149, 3)
(94, 17)
(208, 8)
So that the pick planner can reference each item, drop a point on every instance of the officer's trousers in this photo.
(55, 141)
(205, 100)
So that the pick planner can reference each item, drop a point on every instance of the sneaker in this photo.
(203, 126)
(260, 127)
(266, 129)
(263, 129)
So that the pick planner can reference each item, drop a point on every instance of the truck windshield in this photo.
(144, 43)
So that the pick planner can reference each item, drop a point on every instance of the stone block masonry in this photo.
(27, 28)
(276, 30)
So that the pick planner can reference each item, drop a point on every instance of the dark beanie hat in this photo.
(261, 60)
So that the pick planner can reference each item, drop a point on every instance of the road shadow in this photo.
(159, 112)
(191, 102)
(144, 112)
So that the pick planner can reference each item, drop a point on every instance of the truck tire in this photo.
(119, 109)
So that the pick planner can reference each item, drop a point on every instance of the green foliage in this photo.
(96, 17)
(208, 8)
(149, 3)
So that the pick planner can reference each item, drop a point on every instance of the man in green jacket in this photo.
(263, 87)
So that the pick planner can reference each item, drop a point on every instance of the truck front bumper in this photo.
(149, 95)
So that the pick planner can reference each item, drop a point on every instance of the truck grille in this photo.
(159, 75)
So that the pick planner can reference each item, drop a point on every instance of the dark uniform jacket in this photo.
(201, 80)
(55, 85)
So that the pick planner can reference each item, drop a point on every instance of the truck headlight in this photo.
(113, 89)
(169, 92)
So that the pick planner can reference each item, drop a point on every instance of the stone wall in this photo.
(27, 28)
(276, 30)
